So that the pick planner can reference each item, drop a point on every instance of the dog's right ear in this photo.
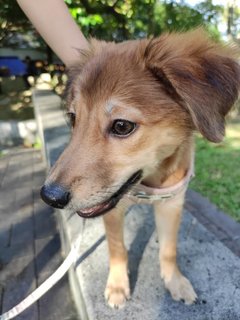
(85, 55)
(201, 75)
(74, 70)
(72, 73)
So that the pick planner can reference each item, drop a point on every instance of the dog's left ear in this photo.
(202, 75)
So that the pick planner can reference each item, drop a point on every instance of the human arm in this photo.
(56, 25)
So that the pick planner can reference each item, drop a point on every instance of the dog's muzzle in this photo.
(109, 204)
(55, 195)
(58, 197)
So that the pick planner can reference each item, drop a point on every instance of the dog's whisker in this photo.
(71, 215)
(114, 189)
(105, 192)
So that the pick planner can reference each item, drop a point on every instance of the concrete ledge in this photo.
(207, 262)
(54, 134)
(221, 225)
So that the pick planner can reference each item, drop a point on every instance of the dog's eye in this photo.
(71, 116)
(122, 127)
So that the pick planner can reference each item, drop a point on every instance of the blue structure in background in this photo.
(15, 66)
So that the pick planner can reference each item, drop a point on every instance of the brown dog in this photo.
(134, 107)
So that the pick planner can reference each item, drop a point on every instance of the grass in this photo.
(217, 169)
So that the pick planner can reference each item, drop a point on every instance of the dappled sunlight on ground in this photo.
(16, 106)
(16, 101)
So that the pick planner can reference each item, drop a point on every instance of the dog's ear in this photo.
(203, 76)
(94, 48)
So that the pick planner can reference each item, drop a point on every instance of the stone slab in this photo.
(48, 256)
(45, 224)
(15, 251)
(211, 267)
(18, 284)
(57, 305)
(22, 231)
(5, 234)
(223, 226)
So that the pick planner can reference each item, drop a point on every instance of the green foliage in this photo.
(12, 19)
(234, 21)
(113, 20)
(122, 19)
(119, 20)
(11, 14)
(180, 16)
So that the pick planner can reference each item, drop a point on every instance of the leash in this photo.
(46, 285)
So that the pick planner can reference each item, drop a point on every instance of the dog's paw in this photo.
(181, 289)
(117, 291)
(116, 296)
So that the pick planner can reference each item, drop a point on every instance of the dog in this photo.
(134, 107)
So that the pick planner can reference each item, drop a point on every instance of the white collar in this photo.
(159, 194)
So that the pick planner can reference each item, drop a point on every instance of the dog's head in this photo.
(132, 105)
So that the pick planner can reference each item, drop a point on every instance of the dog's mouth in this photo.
(109, 204)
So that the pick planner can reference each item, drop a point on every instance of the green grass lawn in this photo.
(217, 169)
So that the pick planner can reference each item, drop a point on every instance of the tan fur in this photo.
(169, 86)
(117, 289)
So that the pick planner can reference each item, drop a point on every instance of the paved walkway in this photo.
(29, 240)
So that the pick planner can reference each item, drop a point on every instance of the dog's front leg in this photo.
(168, 217)
(117, 290)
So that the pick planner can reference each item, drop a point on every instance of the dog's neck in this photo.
(173, 169)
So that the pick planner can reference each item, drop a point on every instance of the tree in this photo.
(113, 20)
(16, 30)
(233, 20)
(12, 20)
(118, 19)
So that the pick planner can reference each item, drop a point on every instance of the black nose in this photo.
(55, 195)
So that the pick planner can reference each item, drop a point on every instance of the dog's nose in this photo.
(55, 195)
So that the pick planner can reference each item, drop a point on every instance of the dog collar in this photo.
(160, 194)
